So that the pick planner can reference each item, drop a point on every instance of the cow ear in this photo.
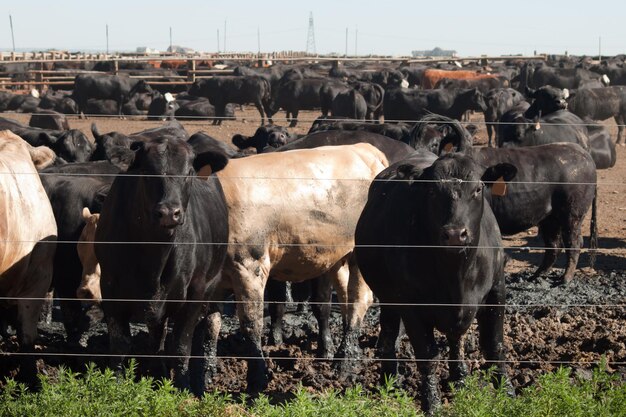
(499, 173)
(242, 142)
(137, 145)
(42, 156)
(408, 172)
(47, 139)
(121, 157)
(209, 162)
(94, 132)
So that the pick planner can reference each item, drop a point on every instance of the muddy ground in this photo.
(546, 322)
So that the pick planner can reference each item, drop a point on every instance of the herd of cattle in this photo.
(409, 212)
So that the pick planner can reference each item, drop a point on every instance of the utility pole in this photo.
(218, 41)
(107, 31)
(258, 38)
(171, 49)
(12, 36)
(600, 48)
(356, 40)
(346, 42)
(224, 35)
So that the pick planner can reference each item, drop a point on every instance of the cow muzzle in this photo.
(169, 216)
(455, 237)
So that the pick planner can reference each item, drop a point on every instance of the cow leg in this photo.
(259, 107)
(572, 240)
(294, 118)
(387, 340)
(187, 321)
(157, 331)
(426, 352)
(119, 340)
(27, 318)
(360, 297)
(490, 133)
(203, 363)
(276, 295)
(321, 303)
(549, 230)
(249, 294)
(491, 334)
(458, 367)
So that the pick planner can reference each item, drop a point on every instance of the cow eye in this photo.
(478, 190)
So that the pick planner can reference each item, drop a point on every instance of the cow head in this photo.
(547, 99)
(453, 186)
(271, 135)
(73, 146)
(163, 106)
(166, 170)
(476, 100)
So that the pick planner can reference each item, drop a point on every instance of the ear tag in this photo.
(448, 147)
(499, 187)
(537, 126)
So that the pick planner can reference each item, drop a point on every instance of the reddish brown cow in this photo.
(433, 76)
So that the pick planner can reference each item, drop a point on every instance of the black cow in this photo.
(428, 240)
(168, 207)
(70, 187)
(297, 95)
(265, 136)
(373, 94)
(115, 146)
(542, 75)
(200, 109)
(163, 106)
(484, 84)
(601, 104)
(406, 104)
(349, 104)
(499, 101)
(546, 100)
(49, 119)
(103, 86)
(69, 145)
(559, 126)
(59, 101)
(232, 89)
(327, 93)
(601, 147)
(23, 103)
(397, 131)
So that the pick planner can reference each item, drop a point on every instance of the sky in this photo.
(395, 27)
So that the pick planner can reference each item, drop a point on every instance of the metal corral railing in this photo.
(41, 77)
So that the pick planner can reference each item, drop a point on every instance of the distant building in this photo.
(146, 50)
(180, 49)
(437, 51)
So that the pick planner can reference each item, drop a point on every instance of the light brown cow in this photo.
(89, 288)
(292, 215)
(27, 234)
(433, 76)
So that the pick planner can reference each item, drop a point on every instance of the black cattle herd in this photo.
(429, 232)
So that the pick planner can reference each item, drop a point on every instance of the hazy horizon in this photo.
(470, 29)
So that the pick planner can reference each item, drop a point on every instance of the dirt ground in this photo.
(535, 335)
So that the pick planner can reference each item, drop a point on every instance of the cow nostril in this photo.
(463, 235)
(176, 214)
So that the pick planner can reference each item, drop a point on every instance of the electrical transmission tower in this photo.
(310, 39)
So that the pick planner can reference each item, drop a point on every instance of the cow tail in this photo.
(268, 90)
(593, 230)
(379, 105)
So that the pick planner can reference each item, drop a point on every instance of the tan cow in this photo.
(292, 215)
(89, 288)
(432, 76)
(27, 234)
